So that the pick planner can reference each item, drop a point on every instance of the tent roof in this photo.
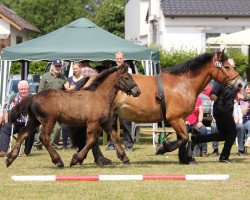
(79, 40)
(237, 38)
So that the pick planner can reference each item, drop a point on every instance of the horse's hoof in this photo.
(103, 161)
(74, 160)
(126, 161)
(193, 161)
(160, 150)
(8, 163)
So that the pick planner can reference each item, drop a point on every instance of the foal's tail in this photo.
(21, 108)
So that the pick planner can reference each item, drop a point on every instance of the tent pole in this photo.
(24, 70)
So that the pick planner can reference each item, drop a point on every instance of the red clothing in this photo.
(193, 118)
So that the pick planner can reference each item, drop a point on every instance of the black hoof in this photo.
(126, 162)
(74, 160)
(160, 150)
(103, 161)
(8, 163)
(190, 161)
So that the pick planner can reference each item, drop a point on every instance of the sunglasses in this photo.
(58, 65)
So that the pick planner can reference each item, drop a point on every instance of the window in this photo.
(19, 39)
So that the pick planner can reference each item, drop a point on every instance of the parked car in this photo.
(206, 105)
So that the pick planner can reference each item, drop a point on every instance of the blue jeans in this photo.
(247, 127)
(203, 131)
(240, 136)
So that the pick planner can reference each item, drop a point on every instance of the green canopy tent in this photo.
(79, 40)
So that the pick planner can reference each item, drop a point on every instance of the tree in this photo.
(110, 16)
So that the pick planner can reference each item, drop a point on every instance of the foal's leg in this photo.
(182, 139)
(93, 133)
(115, 139)
(44, 137)
(22, 135)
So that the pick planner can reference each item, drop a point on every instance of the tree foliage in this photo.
(110, 16)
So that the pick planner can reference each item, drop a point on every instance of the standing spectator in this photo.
(70, 86)
(5, 134)
(194, 124)
(87, 70)
(125, 125)
(223, 98)
(245, 108)
(77, 75)
(53, 80)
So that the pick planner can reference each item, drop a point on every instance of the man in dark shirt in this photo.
(223, 98)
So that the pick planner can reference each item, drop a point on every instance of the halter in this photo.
(219, 65)
(125, 88)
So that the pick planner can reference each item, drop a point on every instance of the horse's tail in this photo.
(21, 108)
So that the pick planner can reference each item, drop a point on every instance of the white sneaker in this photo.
(247, 143)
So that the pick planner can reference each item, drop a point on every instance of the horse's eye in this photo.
(126, 78)
(227, 68)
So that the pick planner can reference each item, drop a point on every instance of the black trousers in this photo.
(226, 132)
(5, 135)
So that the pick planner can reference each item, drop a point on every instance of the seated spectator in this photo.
(194, 125)
(5, 133)
(245, 108)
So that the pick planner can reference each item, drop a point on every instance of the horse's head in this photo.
(224, 72)
(126, 83)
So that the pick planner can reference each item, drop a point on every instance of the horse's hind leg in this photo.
(182, 139)
(47, 128)
(22, 135)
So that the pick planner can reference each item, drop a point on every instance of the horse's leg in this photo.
(93, 133)
(44, 137)
(99, 158)
(78, 137)
(22, 135)
(115, 139)
(182, 139)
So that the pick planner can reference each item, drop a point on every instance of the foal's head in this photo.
(125, 82)
(223, 71)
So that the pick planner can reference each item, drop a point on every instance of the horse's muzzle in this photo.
(238, 84)
(135, 91)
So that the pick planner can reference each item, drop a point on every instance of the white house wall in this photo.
(136, 28)
(190, 33)
(4, 29)
(15, 32)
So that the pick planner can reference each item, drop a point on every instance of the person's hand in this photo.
(199, 124)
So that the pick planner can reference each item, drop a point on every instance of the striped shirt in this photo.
(12, 103)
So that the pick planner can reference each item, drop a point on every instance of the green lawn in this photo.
(143, 161)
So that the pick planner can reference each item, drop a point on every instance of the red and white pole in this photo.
(188, 177)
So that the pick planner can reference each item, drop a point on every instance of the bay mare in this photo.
(91, 107)
(182, 84)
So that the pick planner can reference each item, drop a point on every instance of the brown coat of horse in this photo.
(182, 84)
(90, 107)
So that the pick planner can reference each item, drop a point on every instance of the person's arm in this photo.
(200, 117)
(244, 108)
(6, 115)
(42, 84)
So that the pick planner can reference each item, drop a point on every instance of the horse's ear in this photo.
(124, 68)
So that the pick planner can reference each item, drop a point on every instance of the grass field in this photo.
(143, 161)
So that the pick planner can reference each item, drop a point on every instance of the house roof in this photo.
(19, 23)
(205, 8)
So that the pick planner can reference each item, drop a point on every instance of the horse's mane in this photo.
(192, 64)
(100, 77)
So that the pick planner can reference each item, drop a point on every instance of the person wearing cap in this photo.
(53, 80)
